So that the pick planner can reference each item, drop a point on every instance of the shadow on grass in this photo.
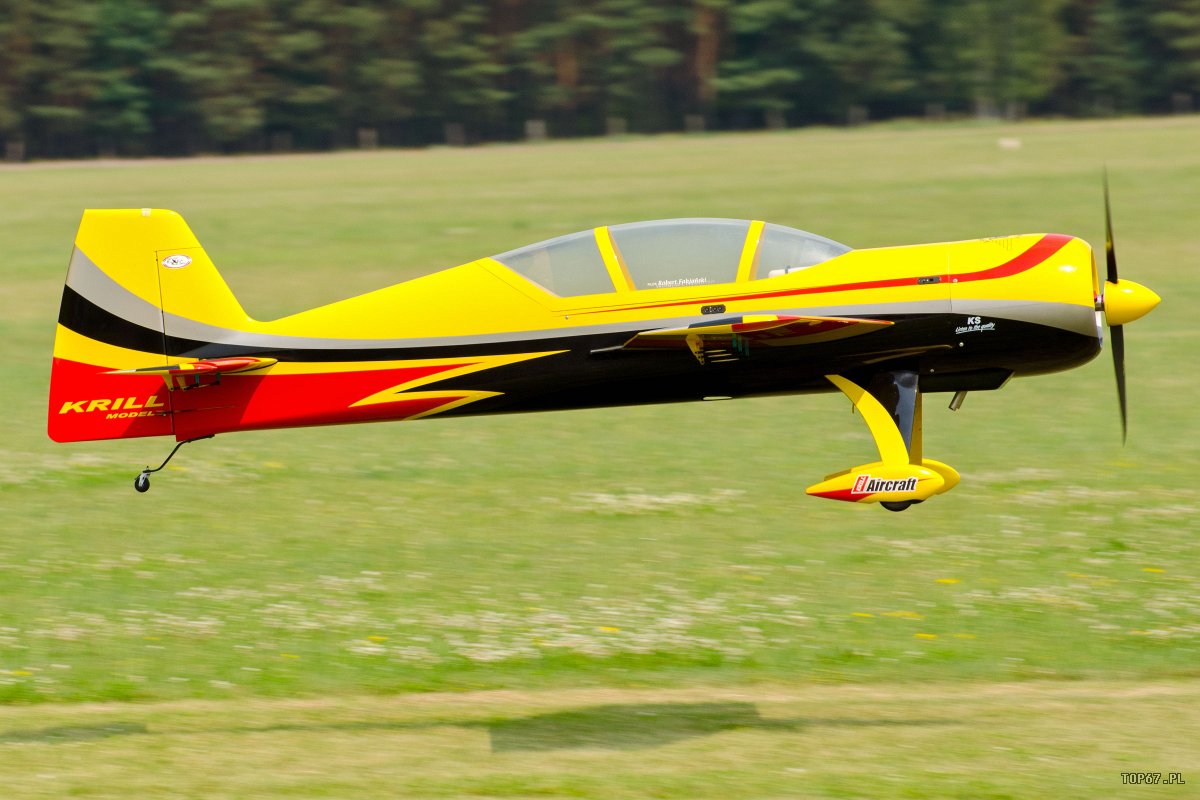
(610, 727)
(73, 733)
(641, 726)
(627, 727)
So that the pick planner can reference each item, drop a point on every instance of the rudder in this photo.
(132, 271)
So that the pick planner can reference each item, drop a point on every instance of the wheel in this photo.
(142, 482)
(891, 506)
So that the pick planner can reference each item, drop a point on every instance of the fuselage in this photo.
(491, 336)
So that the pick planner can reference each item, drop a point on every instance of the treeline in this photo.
(134, 77)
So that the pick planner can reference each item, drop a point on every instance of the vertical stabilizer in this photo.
(113, 317)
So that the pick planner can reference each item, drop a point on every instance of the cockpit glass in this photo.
(668, 253)
(567, 266)
(782, 250)
(681, 252)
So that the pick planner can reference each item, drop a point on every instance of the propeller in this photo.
(1122, 302)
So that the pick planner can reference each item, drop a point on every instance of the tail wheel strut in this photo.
(142, 481)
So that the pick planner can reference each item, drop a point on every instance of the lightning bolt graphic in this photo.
(444, 369)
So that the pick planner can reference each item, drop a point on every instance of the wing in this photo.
(724, 339)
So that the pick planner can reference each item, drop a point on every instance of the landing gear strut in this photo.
(142, 481)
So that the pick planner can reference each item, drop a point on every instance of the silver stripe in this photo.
(86, 278)
(190, 329)
(1067, 317)
(93, 283)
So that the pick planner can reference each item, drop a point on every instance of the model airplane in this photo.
(151, 341)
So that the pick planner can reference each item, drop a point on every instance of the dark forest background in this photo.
(174, 77)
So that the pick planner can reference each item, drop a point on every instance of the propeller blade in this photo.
(1117, 335)
(1110, 253)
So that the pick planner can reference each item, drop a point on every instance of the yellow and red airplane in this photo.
(151, 342)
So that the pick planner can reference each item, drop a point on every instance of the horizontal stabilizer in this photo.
(195, 374)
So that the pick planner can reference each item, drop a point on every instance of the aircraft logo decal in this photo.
(865, 484)
(125, 404)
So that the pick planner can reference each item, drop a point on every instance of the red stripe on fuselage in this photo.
(249, 402)
(87, 403)
(1045, 247)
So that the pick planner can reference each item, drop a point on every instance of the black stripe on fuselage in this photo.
(577, 378)
(928, 345)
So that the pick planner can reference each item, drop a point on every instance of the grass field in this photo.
(652, 580)
(1033, 739)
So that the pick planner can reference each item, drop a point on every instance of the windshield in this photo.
(681, 252)
(566, 266)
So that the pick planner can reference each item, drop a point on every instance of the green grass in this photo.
(930, 741)
(658, 547)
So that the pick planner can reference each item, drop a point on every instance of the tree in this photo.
(463, 75)
(1174, 43)
(79, 77)
(217, 59)
(126, 44)
(996, 55)
(763, 72)
(376, 72)
(57, 84)
(862, 45)
(1101, 62)
(16, 48)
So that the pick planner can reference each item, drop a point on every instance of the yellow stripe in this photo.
(453, 399)
(748, 265)
(612, 259)
(76, 347)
